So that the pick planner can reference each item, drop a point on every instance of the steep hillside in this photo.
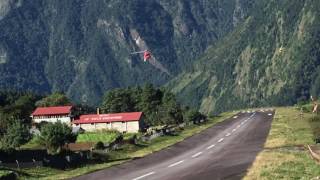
(83, 47)
(272, 58)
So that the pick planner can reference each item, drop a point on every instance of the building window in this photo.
(92, 124)
(123, 122)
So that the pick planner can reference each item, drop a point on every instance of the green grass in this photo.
(32, 144)
(125, 154)
(105, 137)
(284, 156)
(5, 174)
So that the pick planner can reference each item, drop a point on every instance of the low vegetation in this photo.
(55, 135)
(6, 174)
(100, 136)
(285, 155)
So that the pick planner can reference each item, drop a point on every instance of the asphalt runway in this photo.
(224, 151)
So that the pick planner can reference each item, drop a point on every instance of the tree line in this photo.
(159, 105)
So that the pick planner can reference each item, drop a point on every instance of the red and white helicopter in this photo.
(146, 54)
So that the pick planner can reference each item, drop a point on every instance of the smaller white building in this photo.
(52, 114)
(122, 122)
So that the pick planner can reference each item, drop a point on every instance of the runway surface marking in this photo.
(213, 145)
(143, 176)
(197, 154)
(177, 163)
(220, 140)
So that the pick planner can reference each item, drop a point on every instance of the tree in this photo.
(118, 100)
(194, 116)
(55, 99)
(23, 107)
(169, 111)
(16, 135)
(55, 135)
(158, 105)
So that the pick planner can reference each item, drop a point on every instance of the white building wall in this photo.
(66, 120)
(132, 126)
(88, 127)
(119, 126)
(101, 126)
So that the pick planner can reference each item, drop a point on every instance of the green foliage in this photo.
(118, 100)
(16, 105)
(54, 135)
(99, 145)
(15, 110)
(314, 121)
(70, 50)
(15, 135)
(272, 58)
(55, 99)
(106, 136)
(194, 116)
(158, 105)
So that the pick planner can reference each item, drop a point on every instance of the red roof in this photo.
(58, 110)
(105, 118)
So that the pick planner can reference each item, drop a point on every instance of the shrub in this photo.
(99, 145)
(54, 135)
(16, 135)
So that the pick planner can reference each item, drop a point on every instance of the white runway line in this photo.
(197, 154)
(213, 145)
(269, 114)
(238, 126)
(143, 176)
(235, 117)
(220, 140)
(233, 130)
(174, 164)
(228, 134)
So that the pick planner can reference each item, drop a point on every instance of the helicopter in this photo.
(146, 54)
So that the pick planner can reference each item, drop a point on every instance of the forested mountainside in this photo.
(272, 58)
(83, 47)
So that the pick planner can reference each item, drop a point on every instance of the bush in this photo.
(118, 139)
(99, 145)
(16, 135)
(133, 139)
(54, 135)
(307, 108)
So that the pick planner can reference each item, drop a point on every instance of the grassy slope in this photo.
(284, 156)
(127, 153)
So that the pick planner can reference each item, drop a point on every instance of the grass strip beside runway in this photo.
(285, 155)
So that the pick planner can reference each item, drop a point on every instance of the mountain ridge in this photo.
(271, 59)
(82, 48)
